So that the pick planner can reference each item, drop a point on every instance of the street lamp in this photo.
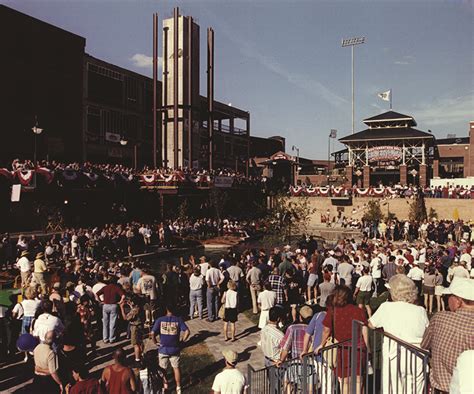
(124, 142)
(352, 42)
(37, 131)
(295, 148)
(332, 134)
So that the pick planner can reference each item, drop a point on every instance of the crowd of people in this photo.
(419, 289)
(116, 241)
(450, 191)
(93, 173)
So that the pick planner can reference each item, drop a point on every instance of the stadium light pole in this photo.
(37, 131)
(352, 42)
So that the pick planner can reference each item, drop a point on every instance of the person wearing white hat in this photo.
(450, 332)
(24, 265)
(230, 380)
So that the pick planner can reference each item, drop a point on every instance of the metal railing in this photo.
(386, 365)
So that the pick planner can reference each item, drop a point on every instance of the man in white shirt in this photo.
(214, 278)
(47, 322)
(376, 271)
(363, 291)
(204, 265)
(266, 299)
(230, 380)
(99, 285)
(416, 274)
(345, 270)
(24, 265)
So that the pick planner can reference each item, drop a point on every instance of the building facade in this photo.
(42, 69)
(392, 151)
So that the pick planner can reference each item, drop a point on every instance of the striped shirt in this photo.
(293, 339)
(270, 338)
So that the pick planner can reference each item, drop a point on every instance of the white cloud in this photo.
(143, 61)
(447, 111)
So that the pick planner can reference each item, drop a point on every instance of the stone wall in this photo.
(399, 206)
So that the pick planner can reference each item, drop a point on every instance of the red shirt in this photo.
(343, 320)
(112, 293)
(88, 386)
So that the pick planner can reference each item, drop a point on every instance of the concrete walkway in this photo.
(16, 377)
(247, 336)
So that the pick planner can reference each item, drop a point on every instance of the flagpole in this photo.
(390, 99)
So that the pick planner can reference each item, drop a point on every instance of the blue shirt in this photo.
(315, 328)
(169, 329)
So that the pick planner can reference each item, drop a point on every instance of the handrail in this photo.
(410, 346)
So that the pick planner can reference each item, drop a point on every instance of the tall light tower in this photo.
(352, 42)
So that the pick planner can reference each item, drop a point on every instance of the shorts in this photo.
(135, 335)
(165, 359)
(363, 297)
(230, 315)
(428, 290)
(439, 290)
(312, 280)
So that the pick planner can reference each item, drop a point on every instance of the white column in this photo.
(403, 153)
(351, 160)
(366, 154)
(423, 153)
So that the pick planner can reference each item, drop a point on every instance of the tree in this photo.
(288, 216)
(373, 212)
(432, 214)
(218, 199)
(418, 208)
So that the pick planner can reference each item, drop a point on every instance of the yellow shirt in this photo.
(40, 266)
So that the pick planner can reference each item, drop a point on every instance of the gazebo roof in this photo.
(387, 133)
(390, 116)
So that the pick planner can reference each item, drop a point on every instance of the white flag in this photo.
(385, 96)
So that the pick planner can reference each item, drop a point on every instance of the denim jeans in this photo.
(195, 297)
(212, 302)
(109, 320)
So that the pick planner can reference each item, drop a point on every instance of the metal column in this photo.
(210, 93)
(190, 92)
(175, 87)
(155, 91)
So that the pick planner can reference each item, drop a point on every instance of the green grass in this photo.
(198, 369)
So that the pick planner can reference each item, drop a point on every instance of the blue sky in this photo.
(283, 61)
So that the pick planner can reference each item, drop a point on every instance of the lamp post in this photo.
(124, 142)
(352, 42)
(295, 148)
(37, 131)
(332, 134)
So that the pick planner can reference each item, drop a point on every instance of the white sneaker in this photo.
(178, 389)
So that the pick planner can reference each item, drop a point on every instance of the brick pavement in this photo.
(16, 377)
(247, 336)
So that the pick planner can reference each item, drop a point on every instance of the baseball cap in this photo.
(56, 285)
(230, 356)
(461, 287)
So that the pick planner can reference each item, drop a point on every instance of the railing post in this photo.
(249, 378)
(305, 375)
(353, 370)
